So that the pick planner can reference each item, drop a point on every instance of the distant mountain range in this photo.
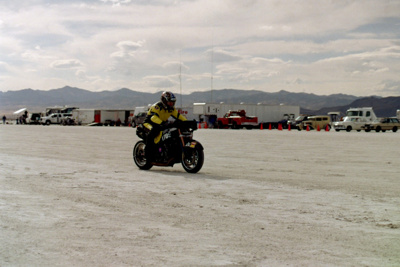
(38, 100)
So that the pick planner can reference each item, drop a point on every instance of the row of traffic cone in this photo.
(327, 128)
(280, 128)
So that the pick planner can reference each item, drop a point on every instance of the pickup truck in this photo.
(54, 118)
(355, 119)
(237, 120)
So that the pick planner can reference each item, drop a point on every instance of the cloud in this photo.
(175, 65)
(35, 55)
(329, 46)
(130, 59)
(81, 74)
(220, 55)
(389, 87)
(66, 64)
(128, 49)
(296, 81)
(116, 2)
(3, 67)
(160, 81)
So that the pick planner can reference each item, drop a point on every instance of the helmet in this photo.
(168, 99)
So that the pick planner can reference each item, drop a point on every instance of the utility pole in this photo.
(212, 64)
(180, 76)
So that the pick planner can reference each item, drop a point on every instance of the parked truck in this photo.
(236, 120)
(54, 118)
(355, 119)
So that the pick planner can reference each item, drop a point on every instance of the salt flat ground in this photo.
(72, 196)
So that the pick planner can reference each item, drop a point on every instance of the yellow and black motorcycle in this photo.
(176, 146)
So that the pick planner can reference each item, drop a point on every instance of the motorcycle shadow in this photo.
(201, 175)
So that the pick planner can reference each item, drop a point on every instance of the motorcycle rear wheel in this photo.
(139, 156)
(193, 159)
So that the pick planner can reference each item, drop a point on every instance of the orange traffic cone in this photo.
(280, 127)
(205, 125)
(261, 126)
(318, 129)
(327, 128)
(289, 127)
(308, 128)
(270, 127)
(199, 125)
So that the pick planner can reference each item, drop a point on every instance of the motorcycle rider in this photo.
(156, 116)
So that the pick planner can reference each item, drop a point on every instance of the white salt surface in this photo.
(72, 196)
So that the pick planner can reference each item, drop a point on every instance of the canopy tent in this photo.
(19, 111)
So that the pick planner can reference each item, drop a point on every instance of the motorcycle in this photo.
(176, 146)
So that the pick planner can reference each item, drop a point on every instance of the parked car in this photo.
(384, 124)
(315, 122)
(293, 123)
(138, 119)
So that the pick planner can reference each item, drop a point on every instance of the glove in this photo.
(159, 127)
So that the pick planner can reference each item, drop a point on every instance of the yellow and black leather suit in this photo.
(156, 115)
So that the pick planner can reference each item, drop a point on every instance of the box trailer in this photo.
(115, 117)
(267, 114)
(187, 112)
(101, 117)
(86, 116)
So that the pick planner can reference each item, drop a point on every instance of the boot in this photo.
(150, 152)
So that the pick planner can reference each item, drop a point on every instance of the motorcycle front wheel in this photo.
(139, 156)
(192, 159)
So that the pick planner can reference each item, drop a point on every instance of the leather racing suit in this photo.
(156, 116)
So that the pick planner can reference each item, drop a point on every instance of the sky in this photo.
(312, 46)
